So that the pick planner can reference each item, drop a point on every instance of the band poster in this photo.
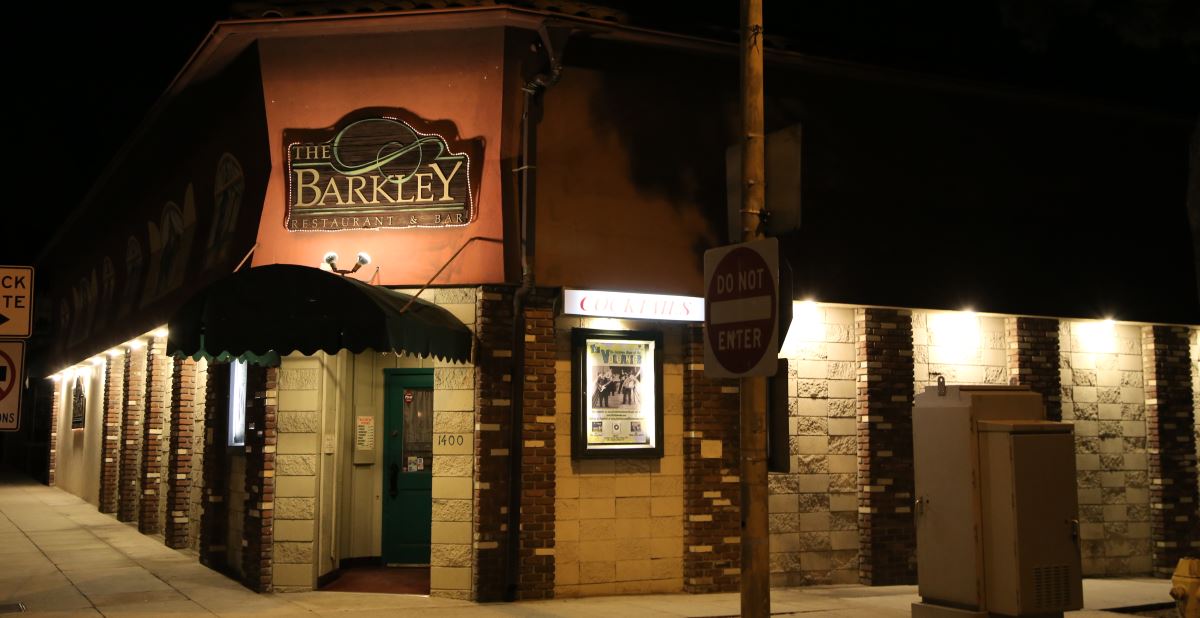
(620, 393)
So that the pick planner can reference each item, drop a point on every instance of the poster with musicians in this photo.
(620, 395)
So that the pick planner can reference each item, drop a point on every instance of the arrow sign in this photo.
(16, 301)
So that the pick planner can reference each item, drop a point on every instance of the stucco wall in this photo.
(310, 83)
(1103, 396)
(813, 518)
(78, 450)
(618, 525)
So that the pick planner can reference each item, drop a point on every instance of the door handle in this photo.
(921, 503)
(393, 480)
(1074, 530)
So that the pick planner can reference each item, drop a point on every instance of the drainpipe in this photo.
(527, 168)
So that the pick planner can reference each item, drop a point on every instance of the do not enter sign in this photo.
(12, 354)
(741, 300)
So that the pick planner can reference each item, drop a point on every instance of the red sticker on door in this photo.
(408, 396)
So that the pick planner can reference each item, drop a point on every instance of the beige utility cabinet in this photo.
(996, 512)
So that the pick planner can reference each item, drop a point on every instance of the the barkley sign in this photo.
(633, 306)
(380, 169)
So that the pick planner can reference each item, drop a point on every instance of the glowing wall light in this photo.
(808, 325)
(1096, 337)
(136, 344)
(160, 333)
(956, 334)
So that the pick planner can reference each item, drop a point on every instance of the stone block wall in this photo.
(453, 489)
(296, 462)
(1171, 422)
(887, 533)
(712, 550)
(196, 471)
(814, 508)
(1102, 396)
(963, 347)
(619, 523)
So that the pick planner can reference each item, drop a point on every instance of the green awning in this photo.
(282, 308)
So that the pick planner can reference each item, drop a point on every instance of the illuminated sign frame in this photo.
(380, 169)
(616, 386)
(633, 305)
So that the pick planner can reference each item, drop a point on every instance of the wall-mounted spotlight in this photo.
(362, 259)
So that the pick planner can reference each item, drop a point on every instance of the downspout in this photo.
(526, 170)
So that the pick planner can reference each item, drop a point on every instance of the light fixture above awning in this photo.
(282, 308)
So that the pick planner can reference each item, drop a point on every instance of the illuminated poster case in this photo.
(617, 394)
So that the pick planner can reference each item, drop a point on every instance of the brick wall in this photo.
(1195, 357)
(56, 411)
(176, 527)
(110, 437)
(814, 508)
(887, 534)
(711, 467)
(214, 521)
(538, 450)
(157, 397)
(1033, 359)
(131, 435)
(262, 397)
(493, 389)
(1103, 397)
(1170, 416)
(618, 523)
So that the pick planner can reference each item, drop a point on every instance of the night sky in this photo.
(88, 82)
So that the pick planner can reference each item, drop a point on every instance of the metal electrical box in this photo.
(996, 511)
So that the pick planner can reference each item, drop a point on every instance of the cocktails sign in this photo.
(379, 169)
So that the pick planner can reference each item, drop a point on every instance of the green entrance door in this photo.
(408, 465)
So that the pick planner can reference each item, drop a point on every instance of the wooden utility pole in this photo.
(756, 586)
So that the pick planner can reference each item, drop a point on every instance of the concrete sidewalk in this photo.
(59, 556)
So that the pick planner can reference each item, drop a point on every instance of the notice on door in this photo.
(364, 433)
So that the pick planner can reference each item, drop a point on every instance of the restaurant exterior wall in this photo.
(327, 508)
